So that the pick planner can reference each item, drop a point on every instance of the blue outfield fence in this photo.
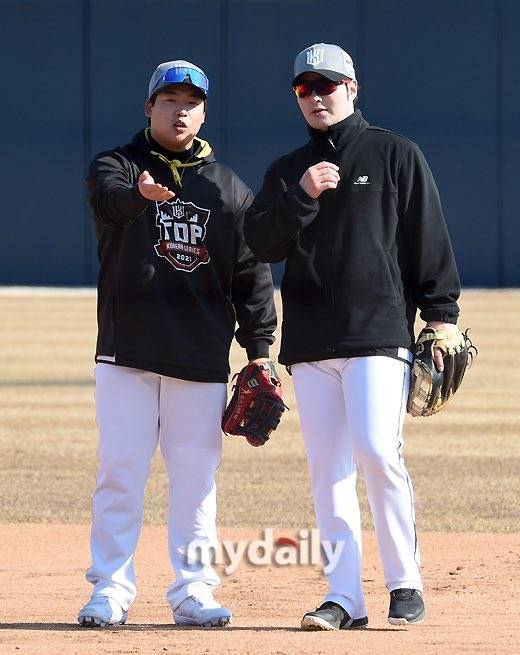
(444, 73)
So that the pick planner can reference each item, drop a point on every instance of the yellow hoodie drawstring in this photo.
(174, 165)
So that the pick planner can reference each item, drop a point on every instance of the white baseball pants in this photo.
(137, 410)
(351, 413)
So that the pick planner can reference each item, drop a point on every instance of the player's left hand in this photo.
(437, 352)
(256, 405)
(431, 388)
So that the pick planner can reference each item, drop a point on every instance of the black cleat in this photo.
(331, 616)
(406, 606)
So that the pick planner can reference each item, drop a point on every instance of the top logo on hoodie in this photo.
(182, 228)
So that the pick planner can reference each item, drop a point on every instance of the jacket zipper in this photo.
(331, 266)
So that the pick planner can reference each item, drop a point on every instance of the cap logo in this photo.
(315, 56)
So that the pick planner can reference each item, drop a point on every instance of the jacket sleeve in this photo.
(252, 294)
(433, 270)
(112, 191)
(276, 216)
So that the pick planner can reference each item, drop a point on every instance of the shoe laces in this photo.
(101, 599)
(331, 605)
(403, 594)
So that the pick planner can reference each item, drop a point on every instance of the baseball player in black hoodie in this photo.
(356, 214)
(175, 276)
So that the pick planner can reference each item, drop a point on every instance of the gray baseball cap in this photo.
(178, 72)
(328, 60)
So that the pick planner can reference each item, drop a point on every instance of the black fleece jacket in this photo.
(176, 275)
(362, 257)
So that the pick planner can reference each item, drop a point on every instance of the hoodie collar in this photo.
(339, 134)
(200, 149)
(199, 153)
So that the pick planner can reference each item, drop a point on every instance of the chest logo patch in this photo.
(182, 228)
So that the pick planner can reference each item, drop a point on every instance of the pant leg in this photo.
(321, 405)
(376, 389)
(127, 412)
(191, 444)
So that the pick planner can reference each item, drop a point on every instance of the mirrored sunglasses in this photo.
(187, 75)
(320, 86)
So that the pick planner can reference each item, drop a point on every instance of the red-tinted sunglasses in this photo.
(320, 86)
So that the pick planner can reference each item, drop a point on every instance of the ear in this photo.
(148, 107)
(352, 87)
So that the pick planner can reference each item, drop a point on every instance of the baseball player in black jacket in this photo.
(175, 276)
(356, 214)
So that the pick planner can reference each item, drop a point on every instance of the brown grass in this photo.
(464, 462)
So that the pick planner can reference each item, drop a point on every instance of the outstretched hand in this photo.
(151, 190)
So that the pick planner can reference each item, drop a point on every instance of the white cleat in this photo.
(203, 611)
(100, 612)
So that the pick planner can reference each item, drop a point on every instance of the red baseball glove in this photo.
(256, 406)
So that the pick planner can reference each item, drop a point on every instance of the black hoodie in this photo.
(176, 275)
(362, 257)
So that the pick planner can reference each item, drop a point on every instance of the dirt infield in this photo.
(464, 462)
(471, 590)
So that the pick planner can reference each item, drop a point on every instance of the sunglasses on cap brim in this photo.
(321, 87)
(185, 76)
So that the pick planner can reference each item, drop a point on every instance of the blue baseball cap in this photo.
(178, 72)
